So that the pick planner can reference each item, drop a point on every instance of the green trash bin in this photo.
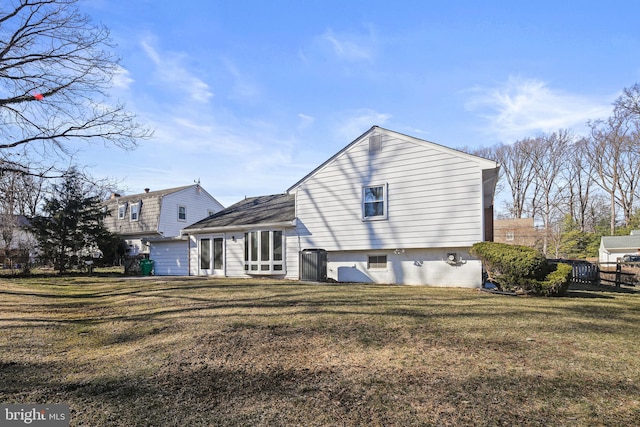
(146, 266)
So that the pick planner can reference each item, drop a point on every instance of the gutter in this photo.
(164, 239)
(243, 227)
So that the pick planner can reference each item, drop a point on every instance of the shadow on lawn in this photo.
(87, 292)
(213, 392)
(583, 290)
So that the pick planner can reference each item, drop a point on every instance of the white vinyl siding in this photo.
(234, 265)
(197, 205)
(292, 251)
(434, 199)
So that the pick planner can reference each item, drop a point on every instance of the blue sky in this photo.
(249, 96)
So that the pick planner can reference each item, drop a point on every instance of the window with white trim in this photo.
(135, 211)
(510, 236)
(374, 202)
(263, 252)
(182, 213)
(122, 211)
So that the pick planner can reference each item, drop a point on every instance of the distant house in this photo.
(614, 247)
(157, 214)
(17, 243)
(387, 208)
(515, 231)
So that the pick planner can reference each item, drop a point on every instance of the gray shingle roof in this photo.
(621, 242)
(252, 211)
(150, 194)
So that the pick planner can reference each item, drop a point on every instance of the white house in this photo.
(614, 247)
(387, 208)
(158, 215)
(17, 243)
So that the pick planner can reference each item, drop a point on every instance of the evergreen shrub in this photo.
(522, 269)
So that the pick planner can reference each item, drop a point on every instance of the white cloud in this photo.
(357, 122)
(522, 108)
(243, 87)
(200, 136)
(305, 121)
(172, 71)
(350, 47)
(122, 79)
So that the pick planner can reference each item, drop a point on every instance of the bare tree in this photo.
(489, 153)
(549, 161)
(21, 194)
(615, 156)
(579, 176)
(629, 102)
(55, 72)
(517, 167)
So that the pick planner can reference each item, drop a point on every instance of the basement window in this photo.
(377, 262)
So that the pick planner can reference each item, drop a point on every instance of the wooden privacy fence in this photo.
(617, 273)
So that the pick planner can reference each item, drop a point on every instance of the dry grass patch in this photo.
(161, 352)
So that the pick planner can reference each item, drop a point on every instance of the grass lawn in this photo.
(194, 352)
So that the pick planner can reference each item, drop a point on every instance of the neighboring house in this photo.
(157, 214)
(614, 247)
(387, 208)
(515, 231)
(17, 243)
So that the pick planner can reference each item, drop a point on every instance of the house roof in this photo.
(150, 194)
(621, 242)
(389, 134)
(512, 223)
(150, 221)
(276, 208)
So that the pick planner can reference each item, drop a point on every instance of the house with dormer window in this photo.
(157, 215)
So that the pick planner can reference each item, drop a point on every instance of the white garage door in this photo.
(170, 258)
